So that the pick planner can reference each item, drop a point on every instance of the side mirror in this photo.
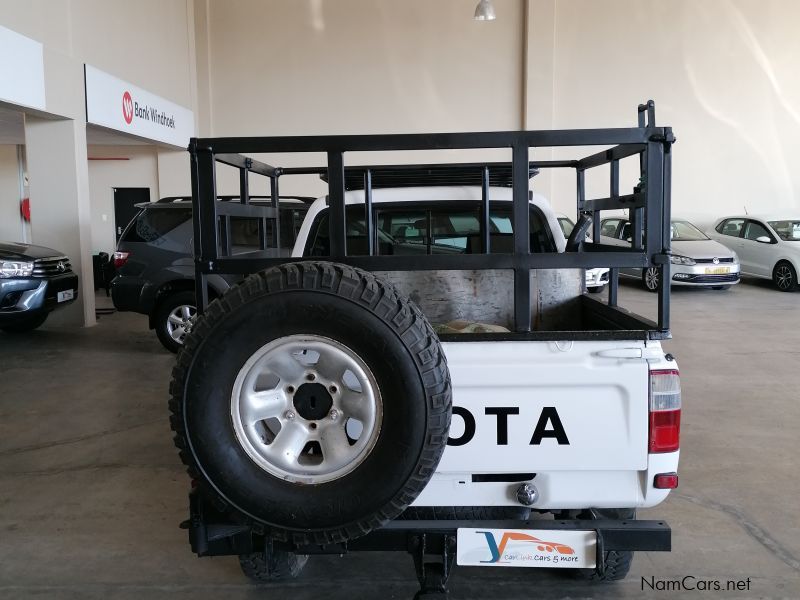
(764, 239)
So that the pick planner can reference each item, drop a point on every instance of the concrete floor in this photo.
(92, 491)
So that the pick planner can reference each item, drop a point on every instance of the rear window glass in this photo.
(429, 230)
(153, 223)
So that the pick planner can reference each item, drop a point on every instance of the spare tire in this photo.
(313, 400)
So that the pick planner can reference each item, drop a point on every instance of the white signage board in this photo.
(21, 70)
(526, 548)
(119, 105)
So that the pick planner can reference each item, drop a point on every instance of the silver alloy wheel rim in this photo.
(651, 278)
(180, 321)
(784, 277)
(272, 430)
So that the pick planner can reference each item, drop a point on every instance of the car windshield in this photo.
(788, 231)
(683, 231)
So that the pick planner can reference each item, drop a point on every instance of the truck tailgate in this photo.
(533, 406)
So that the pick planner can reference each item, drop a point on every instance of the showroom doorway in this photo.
(125, 201)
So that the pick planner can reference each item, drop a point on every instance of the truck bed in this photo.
(559, 308)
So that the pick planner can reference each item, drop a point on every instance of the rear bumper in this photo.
(27, 297)
(126, 294)
(212, 533)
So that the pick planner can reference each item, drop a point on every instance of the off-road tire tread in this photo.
(618, 564)
(280, 565)
(381, 298)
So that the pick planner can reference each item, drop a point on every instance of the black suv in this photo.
(155, 263)
(34, 280)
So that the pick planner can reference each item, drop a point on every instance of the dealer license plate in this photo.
(717, 270)
(65, 295)
(526, 548)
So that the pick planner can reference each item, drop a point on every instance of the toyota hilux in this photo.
(34, 281)
(424, 372)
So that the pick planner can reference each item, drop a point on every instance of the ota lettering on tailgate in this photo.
(548, 426)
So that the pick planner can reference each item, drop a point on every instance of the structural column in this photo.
(60, 210)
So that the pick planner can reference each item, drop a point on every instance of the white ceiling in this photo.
(12, 131)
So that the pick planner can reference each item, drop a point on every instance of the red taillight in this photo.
(665, 410)
(120, 258)
(665, 481)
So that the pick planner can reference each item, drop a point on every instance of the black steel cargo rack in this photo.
(648, 205)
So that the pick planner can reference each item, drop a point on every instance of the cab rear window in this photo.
(429, 230)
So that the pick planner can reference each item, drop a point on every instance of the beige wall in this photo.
(288, 67)
(147, 42)
(10, 223)
(722, 72)
(138, 169)
(359, 66)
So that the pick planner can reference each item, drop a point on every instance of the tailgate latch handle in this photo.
(620, 353)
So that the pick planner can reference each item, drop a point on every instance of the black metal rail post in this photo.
(275, 201)
(666, 236)
(485, 216)
(337, 221)
(369, 218)
(522, 237)
(204, 202)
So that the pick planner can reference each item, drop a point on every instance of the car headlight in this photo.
(677, 259)
(15, 268)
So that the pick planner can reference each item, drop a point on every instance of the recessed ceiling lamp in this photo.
(485, 11)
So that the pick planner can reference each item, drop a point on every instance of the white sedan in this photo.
(768, 246)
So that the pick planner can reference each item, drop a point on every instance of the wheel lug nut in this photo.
(290, 389)
(288, 415)
(332, 389)
(311, 377)
(334, 414)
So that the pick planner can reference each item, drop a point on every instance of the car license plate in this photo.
(65, 295)
(717, 270)
(526, 548)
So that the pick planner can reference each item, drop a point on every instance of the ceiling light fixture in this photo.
(485, 11)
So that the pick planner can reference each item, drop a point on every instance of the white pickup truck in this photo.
(425, 373)
(590, 417)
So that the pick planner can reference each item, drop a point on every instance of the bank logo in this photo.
(498, 550)
(127, 107)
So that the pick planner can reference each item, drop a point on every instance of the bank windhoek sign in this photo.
(119, 105)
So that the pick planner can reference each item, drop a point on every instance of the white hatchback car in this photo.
(768, 246)
(697, 260)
